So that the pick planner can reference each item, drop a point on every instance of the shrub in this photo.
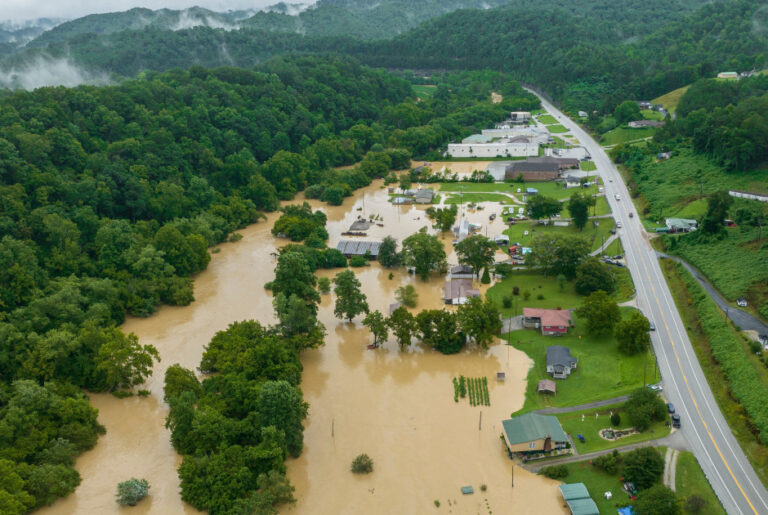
(615, 419)
(506, 302)
(540, 296)
(555, 471)
(357, 261)
(363, 464)
(483, 487)
(526, 295)
(608, 462)
(644, 467)
(643, 407)
(515, 290)
(324, 285)
(694, 504)
(437, 503)
(486, 279)
(130, 492)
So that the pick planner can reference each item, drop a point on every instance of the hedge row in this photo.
(743, 379)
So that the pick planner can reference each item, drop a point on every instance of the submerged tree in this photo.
(350, 301)
(130, 492)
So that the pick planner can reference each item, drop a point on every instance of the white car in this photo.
(618, 225)
(617, 197)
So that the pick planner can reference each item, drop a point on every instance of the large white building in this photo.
(538, 135)
(502, 148)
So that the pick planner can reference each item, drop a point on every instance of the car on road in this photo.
(610, 180)
(618, 225)
(655, 387)
(651, 326)
(617, 197)
(631, 214)
(676, 420)
(670, 407)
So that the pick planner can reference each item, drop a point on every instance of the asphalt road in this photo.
(703, 426)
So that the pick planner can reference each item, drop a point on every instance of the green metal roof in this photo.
(532, 427)
(583, 507)
(573, 491)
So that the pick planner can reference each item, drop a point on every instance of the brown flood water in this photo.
(395, 406)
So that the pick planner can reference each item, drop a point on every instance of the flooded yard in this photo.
(397, 407)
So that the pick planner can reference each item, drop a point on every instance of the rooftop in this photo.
(458, 288)
(533, 426)
(559, 355)
(550, 317)
(358, 248)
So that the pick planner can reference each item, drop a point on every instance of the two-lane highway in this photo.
(708, 435)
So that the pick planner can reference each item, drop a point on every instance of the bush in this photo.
(694, 504)
(506, 301)
(363, 464)
(540, 296)
(608, 462)
(130, 492)
(555, 472)
(526, 295)
(615, 419)
(643, 407)
(486, 279)
(357, 261)
(323, 285)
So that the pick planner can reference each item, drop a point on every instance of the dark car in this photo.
(651, 326)
(670, 407)
(676, 420)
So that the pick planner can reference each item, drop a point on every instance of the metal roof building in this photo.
(578, 499)
(359, 248)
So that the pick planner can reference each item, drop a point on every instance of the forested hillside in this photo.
(112, 196)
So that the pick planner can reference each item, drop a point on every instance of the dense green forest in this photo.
(112, 196)
(588, 55)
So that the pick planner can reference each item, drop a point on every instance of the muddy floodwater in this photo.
(395, 406)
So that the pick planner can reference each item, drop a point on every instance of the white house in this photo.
(520, 117)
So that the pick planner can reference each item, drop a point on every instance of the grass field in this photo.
(690, 480)
(615, 248)
(551, 189)
(424, 91)
(671, 99)
(588, 166)
(556, 129)
(601, 208)
(652, 115)
(536, 284)
(547, 119)
(466, 198)
(475, 187)
(591, 425)
(603, 371)
(595, 235)
(732, 410)
(625, 134)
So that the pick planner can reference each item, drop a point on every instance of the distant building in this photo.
(350, 248)
(644, 105)
(727, 75)
(552, 322)
(747, 195)
(681, 225)
(424, 196)
(637, 124)
(741, 302)
(462, 272)
(458, 291)
(663, 156)
(518, 117)
(477, 138)
(533, 433)
(583, 114)
(501, 148)
(399, 201)
(560, 363)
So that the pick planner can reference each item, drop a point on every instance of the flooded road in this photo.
(396, 406)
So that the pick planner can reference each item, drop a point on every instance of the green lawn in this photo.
(601, 208)
(476, 187)
(591, 425)
(603, 371)
(466, 198)
(536, 284)
(547, 119)
(588, 166)
(671, 99)
(624, 134)
(556, 129)
(596, 235)
(614, 248)
(652, 115)
(691, 480)
(424, 91)
(551, 189)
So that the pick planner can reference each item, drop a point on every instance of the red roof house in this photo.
(552, 322)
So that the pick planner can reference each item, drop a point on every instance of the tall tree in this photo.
(443, 217)
(592, 275)
(298, 321)
(540, 206)
(644, 467)
(557, 254)
(424, 252)
(578, 206)
(388, 256)
(657, 500)
(403, 326)
(282, 405)
(123, 361)
(476, 251)
(717, 210)
(377, 324)
(440, 329)
(480, 320)
(293, 276)
(627, 111)
(600, 311)
(350, 301)
(632, 334)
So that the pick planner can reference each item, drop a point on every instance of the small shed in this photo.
(501, 376)
(547, 386)
(741, 302)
